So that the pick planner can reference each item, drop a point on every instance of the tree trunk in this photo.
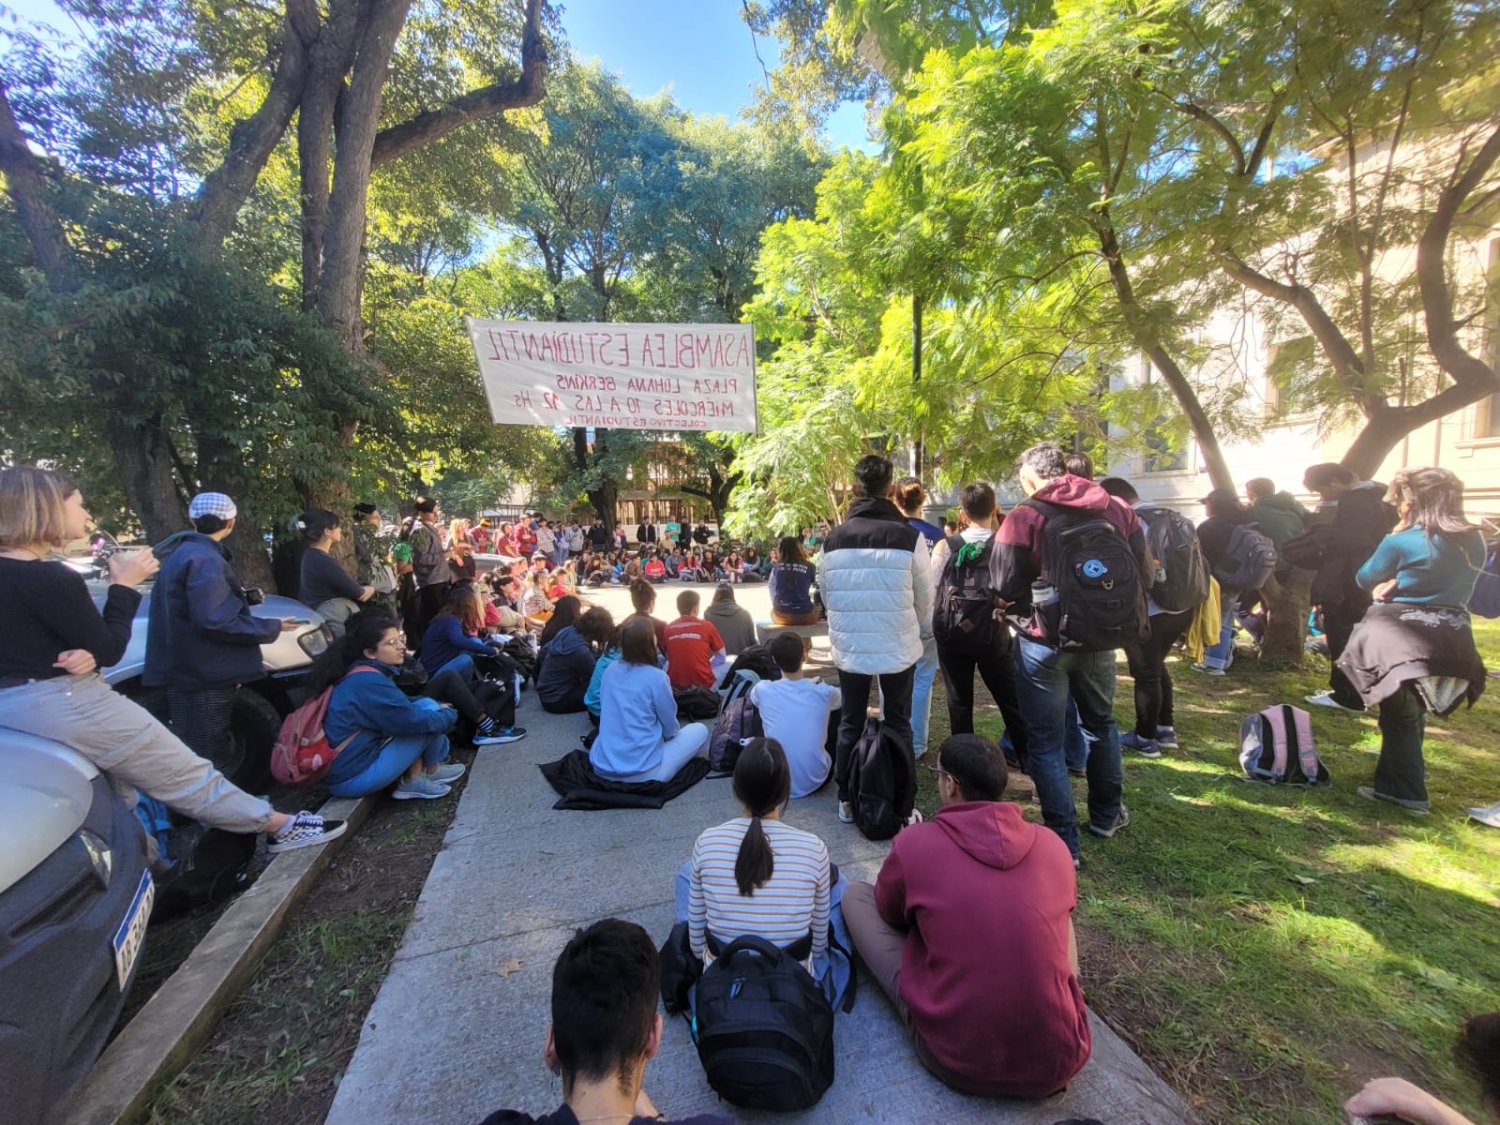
(143, 456)
(1286, 618)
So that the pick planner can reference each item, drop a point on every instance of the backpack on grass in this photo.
(1277, 747)
(963, 618)
(1101, 592)
(882, 782)
(764, 1028)
(1254, 557)
(302, 754)
(1181, 583)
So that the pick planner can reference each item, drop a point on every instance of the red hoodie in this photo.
(1017, 560)
(985, 898)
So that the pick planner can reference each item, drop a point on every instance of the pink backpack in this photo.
(1276, 746)
(302, 754)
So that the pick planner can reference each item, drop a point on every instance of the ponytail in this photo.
(762, 784)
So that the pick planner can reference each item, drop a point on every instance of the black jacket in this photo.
(1348, 537)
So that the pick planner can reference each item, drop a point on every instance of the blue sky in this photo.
(700, 50)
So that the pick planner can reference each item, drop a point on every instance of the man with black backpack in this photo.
(1240, 557)
(970, 637)
(1071, 568)
(1179, 584)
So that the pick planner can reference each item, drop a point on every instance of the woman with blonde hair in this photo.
(461, 552)
(56, 640)
(1409, 660)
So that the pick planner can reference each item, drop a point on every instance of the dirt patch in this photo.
(278, 1053)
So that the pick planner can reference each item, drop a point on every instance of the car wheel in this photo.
(253, 726)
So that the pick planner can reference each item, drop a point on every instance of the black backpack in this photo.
(757, 659)
(1181, 583)
(764, 1028)
(1254, 557)
(1101, 592)
(963, 618)
(209, 864)
(882, 782)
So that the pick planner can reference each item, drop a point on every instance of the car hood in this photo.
(45, 795)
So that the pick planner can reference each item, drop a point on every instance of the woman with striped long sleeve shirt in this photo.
(755, 874)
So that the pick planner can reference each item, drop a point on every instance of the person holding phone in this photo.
(56, 640)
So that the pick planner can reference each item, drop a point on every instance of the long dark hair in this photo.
(564, 613)
(762, 783)
(790, 550)
(362, 631)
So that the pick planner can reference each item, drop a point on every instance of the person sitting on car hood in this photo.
(56, 640)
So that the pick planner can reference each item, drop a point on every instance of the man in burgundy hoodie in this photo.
(1047, 675)
(969, 932)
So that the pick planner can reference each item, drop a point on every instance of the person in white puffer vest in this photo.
(876, 582)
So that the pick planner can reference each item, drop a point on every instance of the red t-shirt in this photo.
(974, 880)
(691, 643)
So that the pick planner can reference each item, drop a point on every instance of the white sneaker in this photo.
(1326, 699)
(846, 813)
(419, 788)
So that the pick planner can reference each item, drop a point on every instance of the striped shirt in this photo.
(792, 903)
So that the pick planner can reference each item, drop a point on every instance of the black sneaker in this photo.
(1121, 821)
(304, 830)
(498, 736)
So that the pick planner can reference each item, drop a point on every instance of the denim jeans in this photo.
(921, 694)
(1045, 679)
(1221, 655)
(391, 763)
(463, 664)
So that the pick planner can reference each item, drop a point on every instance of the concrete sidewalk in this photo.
(456, 1031)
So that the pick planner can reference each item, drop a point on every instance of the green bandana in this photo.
(968, 553)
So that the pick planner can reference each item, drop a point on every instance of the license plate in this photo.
(132, 932)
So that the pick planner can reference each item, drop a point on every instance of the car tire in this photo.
(254, 724)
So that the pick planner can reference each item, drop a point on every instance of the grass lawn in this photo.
(1269, 949)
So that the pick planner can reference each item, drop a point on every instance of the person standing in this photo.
(1351, 521)
(1214, 536)
(1051, 667)
(911, 497)
(203, 641)
(326, 586)
(1155, 728)
(546, 541)
(964, 652)
(429, 564)
(646, 534)
(1411, 662)
(877, 586)
(526, 537)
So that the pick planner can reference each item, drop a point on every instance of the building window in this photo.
(1166, 444)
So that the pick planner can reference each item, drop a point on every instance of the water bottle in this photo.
(1043, 594)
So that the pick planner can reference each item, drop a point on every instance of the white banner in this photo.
(618, 376)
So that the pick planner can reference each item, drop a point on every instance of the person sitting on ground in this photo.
(535, 604)
(692, 645)
(56, 640)
(791, 585)
(605, 1028)
(643, 601)
(455, 637)
(733, 621)
(384, 737)
(326, 586)
(1477, 1052)
(566, 612)
(567, 661)
(673, 563)
(655, 570)
(976, 879)
(640, 738)
(795, 712)
(757, 875)
(593, 698)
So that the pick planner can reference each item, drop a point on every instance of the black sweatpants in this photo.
(998, 671)
(1148, 668)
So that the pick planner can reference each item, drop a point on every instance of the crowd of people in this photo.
(1036, 602)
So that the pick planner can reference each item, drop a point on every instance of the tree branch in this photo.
(26, 183)
(1225, 133)
(226, 188)
(398, 140)
(1465, 369)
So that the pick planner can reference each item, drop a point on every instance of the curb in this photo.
(174, 1025)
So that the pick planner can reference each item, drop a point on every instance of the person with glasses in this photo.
(384, 737)
(977, 879)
